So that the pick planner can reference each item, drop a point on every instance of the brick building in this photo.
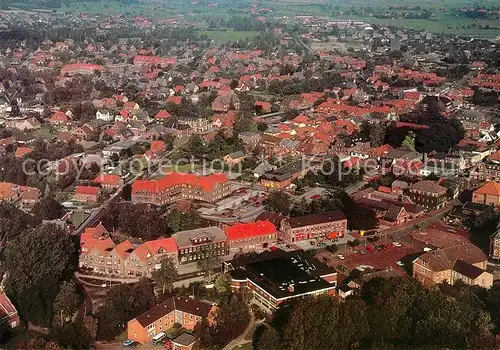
(317, 226)
(125, 260)
(244, 238)
(464, 262)
(488, 194)
(175, 186)
(201, 243)
(184, 311)
(87, 193)
(428, 194)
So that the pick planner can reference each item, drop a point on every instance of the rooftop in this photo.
(286, 275)
(199, 235)
(315, 219)
(247, 230)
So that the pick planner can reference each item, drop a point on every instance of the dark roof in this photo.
(191, 306)
(284, 172)
(270, 216)
(275, 276)
(393, 213)
(185, 339)
(315, 219)
(467, 270)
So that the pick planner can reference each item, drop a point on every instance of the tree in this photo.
(279, 202)
(67, 301)
(222, 284)
(122, 303)
(166, 274)
(182, 221)
(269, 340)
(13, 222)
(37, 261)
(409, 141)
(48, 209)
(262, 126)
(208, 263)
(230, 320)
(244, 123)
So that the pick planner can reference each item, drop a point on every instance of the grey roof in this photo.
(185, 339)
(212, 233)
(262, 168)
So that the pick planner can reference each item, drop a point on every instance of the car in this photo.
(316, 196)
(273, 248)
(396, 244)
(369, 248)
(400, 263)
(312, 242)
(129, 343)
(341, 257)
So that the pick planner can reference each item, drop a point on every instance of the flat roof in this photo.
(287, 275)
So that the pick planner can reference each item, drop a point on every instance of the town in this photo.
(325, 183)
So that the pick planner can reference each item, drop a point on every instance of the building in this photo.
(201, 243)
(174, 186)
(488, 194)
(125, 260)
(198, 125)
(80, 68)
(185, 341)
(428, 194)
(234, 158)
(284, 176)
(495, 243)
(184, 311)
(8, 311)
(464, 262)
(317, 226)
(244, 238)
(283, 276)
(111, 181)
(87, 193)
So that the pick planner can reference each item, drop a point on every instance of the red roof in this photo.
(87, 190)
(242, 230)
(59, 117)
(163, 114)
(6, 306)
(21, 151)
(80, 67)
(207, 183)
(174, 99)
(108, 179)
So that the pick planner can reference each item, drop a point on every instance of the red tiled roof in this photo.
(207, 183)
(108, 179)
(80, 66)
(174, 99)
(6, 306)
(22, 151)
(492, 188)
(59, 116)
(163, 114)
(242, 230)
(87, 190)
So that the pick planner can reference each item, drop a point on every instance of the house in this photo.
(22, 151)
(59, 118)
(99, 254)
(488, 194)
(198, 125)
(328, 225)
(194, 245)
(184, 311)
(279, 277)
(263, 106)
(234, 158)
(8, 311)
(104, 114)
(263, 168)
(174, 186)
(23, 124)
(249, 237)
(283, 177)
(162, 115)
(87, 193)
(250, 139)
(224, 103)
(29, 195)
(464, 262)
(428, 194)
(80, 68)
(8, 191)
(185, 341)
(109, 181)
(495, 243)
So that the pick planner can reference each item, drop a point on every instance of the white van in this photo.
(157, 339)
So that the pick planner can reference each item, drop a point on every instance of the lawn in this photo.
(246, 346)
(224, 36)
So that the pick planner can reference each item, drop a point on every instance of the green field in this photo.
(224, 36)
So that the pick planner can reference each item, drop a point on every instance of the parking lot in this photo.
(385, 256)
(241, 201)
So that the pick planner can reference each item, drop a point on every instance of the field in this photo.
(443, 19)
(224, 36)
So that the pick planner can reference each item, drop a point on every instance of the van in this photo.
(157, 339)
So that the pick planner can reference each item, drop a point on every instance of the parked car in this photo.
(341, 257)
(129, 343)
(400, 263)
(316, 196)
(396, 244)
